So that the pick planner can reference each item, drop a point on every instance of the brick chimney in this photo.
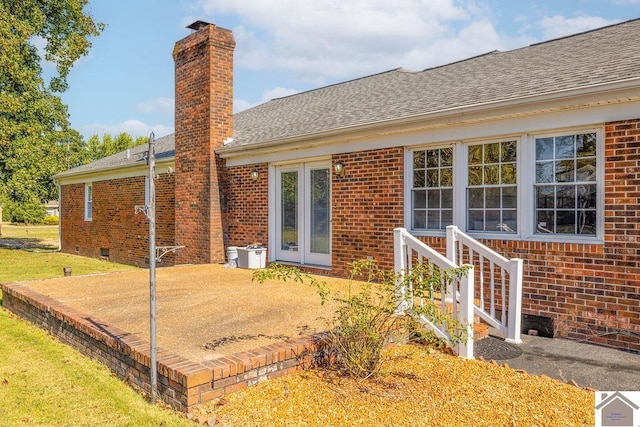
(203, 120)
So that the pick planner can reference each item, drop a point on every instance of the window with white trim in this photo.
(492, 190)
(88, 202)
(432, 192)
(545, 186)
(565, 184)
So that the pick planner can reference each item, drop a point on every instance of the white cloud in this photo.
(241, 105)
(133, 127)
(332, 39)
(559, 26)
(157, 105)
(267, 95)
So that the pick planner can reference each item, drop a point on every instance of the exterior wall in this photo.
(114, 225)
(204, 119)
(591, 291)
(248, 206)
(367, 204)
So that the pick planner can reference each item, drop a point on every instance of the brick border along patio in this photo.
(182, 383)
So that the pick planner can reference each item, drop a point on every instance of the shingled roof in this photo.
(584, 60)
(164, 148)
(592, 58)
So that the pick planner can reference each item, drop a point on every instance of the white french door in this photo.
(303, 213)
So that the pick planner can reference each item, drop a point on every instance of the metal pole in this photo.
(152, 267)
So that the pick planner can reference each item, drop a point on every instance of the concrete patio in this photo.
(203, 312)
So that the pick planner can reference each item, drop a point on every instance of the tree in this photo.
(98, 148)
(35, 138)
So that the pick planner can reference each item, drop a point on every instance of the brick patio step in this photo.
(480, 331)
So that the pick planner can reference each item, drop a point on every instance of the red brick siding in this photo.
(367, 203)
(248, 206)
(204, 119)
(114, 225)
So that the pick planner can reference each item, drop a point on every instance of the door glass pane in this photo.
(289, 217)
(320, 211)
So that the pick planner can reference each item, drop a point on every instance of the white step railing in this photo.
(498, 285)
(407, 250)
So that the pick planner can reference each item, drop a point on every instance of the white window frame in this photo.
(88, 201)
(526, 187)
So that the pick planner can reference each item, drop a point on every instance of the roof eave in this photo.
(68, 177)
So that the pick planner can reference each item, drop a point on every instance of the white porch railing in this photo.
(407, 250)
(492, 289)
(498, 284)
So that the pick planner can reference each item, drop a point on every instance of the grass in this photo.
(20, 231)
(46, 383)
(16, 264)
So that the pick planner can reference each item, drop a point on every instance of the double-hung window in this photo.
(492, 190)
(432, 191)
(88, 202)
(565, 184)
(551, 192)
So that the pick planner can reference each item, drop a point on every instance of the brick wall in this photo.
(114, 225)
(248, 206)
(591, 291)
(203, 120)
(367, 204)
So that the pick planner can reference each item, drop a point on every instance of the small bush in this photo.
(366, 320)
(51, 220)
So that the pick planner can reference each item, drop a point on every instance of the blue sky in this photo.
(288, 46)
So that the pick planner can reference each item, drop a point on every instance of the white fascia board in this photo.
(333, 142)
(107, 174)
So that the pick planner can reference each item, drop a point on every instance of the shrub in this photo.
(366, 320)
(28, 212)
(51, 220)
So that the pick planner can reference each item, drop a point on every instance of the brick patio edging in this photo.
(183, 384)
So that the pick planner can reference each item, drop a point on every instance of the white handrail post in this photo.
(451, 243)
(399, 262)
(515, 301)
(465, 349)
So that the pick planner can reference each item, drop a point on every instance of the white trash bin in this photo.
(232, 256)
(252, 257)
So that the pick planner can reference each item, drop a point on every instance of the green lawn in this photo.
(17, 264)
(46, 383)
